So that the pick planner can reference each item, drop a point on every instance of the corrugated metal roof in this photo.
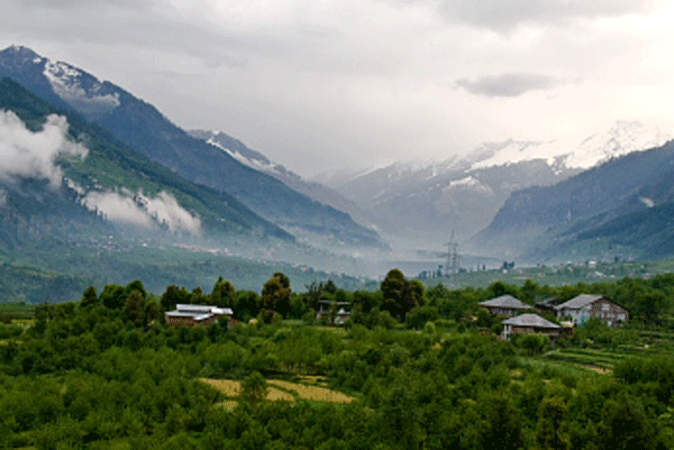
(187, 307)
(530, 320)
(506, 301)
(579, 301)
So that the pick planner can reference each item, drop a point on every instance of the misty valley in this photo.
(172, 288)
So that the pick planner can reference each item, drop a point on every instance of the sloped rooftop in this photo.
(203, 309)
(505, 301)
(579, 301)
(530, 320)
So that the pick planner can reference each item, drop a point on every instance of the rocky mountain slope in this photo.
(256, 160)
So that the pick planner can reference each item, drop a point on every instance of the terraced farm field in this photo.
(282, 391)
(17, 310)
(590, 358)
(603, 358)
(232, 388)
(313, 393)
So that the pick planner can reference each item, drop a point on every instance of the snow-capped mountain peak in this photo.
(622, 138)
(86, 92)
(73, 86)
(21, 53)
(238, 150)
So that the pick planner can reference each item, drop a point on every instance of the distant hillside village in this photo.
(576, 311)
(518, 317)
(336, 313)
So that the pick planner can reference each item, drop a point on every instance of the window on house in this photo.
(605, 307)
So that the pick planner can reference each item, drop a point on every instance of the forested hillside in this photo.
(149, 134)
(623, 202)
(113, 166)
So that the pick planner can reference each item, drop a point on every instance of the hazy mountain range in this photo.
(312, 189)
(126, 165)
(106, 182)
(622, 208)
(143, 128)
(426, 202)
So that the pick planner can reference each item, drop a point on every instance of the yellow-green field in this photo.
(232, 388)
(314, 393)
(282, 391)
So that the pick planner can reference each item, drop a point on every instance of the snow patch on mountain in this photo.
(623, 138)
(263, 165)
(512, 152)
(647, 201)
(66, 81)
(469, 182)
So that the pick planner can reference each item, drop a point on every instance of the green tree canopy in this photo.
(224, 293)
(400, 295)
(276, 294)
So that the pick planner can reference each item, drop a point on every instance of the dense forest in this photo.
(425, 366)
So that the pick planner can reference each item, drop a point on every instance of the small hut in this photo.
(530, 323)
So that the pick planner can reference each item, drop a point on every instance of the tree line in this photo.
(106, 370)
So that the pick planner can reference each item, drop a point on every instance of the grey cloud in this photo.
(306, 45)
(123, 22)
(504, 15)
(76, 4)
(507, 84)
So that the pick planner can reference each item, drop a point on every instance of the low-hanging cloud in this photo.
(143, 211)
(507, 84)
(504, 15)
(24, 153)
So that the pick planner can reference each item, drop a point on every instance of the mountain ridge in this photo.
(256, 160)
(608, 201)
(463, 194)
(141, 126)
(109, 164)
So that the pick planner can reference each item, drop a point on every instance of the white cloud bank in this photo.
(24, 153)
(143, 211)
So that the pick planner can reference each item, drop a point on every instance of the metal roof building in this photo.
(505, 305)
(529, 323)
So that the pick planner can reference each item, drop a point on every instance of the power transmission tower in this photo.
(452, 255)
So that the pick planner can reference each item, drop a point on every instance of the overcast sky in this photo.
(319, 85)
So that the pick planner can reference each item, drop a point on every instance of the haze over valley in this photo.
(121, 159)
(273, 138)
(381, 224)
